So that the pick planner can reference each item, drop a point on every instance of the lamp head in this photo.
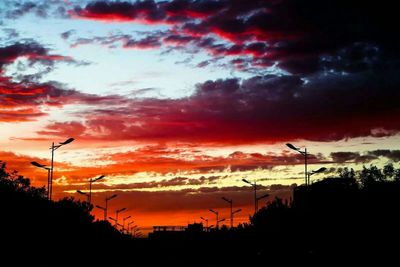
(69, 140)
(80, 192)
(244, 180)
(292, 147)
(34, 163)
(98, 178)
(121, 210)
(227, 200)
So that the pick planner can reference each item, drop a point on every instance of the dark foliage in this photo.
(37, 232)
(349, 219)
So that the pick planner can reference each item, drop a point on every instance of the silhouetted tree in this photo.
(345, 173)
(371, 175)
(388, 171)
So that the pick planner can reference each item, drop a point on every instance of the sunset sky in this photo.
(175, 102)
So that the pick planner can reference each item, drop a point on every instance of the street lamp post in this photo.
(106, 208)
(234, 212)
(263, 196)
(134, 229)
(83, 193)
(90, 186)
(254, 185)
(34, 163)
(123, 222)
(128, 228)
(216, 213)
(105, 211)
(116, 215)
(305, 154)
(314, 172)
(54, 148)
(206, 220)
(230, 201)
(220, 221)
(114, 220)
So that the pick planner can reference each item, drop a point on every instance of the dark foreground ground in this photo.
(338, 221)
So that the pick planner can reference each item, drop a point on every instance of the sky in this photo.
(175, 102)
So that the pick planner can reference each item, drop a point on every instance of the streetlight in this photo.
(236, 211)
(106, 208)
(220, 221)
(123, 222)
(34, 163)
(54, 148)
(116, 214)
(255, 193)
(259, 198)
(314, 172)
(83, 193)
(120, 225)
(128, 228)
(305, 154)
(216, 213)
(112, 219)
(134, 230)
(90, 186)
(206, 220)
(116, 222)
(230, 201)
(105, 211)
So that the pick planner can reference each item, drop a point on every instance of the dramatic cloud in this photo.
(301, 40)
(261, 109)
(347, 157)
(356, 157)
(24, 100)
(393, 155)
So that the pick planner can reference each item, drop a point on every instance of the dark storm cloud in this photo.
(387, 153)
(264, 108)
(303, 37)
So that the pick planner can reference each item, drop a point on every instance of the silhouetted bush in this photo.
(348, 219)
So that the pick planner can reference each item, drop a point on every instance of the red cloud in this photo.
(26, 100)
(260, 109)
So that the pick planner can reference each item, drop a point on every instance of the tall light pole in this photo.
(263, 196)
(34, 163)
(123, 222)
(115, 220)
(234, 212)
(128, 228)
(254, 185)
(305, 154)
(230, 201)
(83, 193)
(220, 221)
(206, 220)
(90, 186)
(54, 148)
(314, 172)
(216, 213)
(116, 214)
(106, 210)
(134, 229)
